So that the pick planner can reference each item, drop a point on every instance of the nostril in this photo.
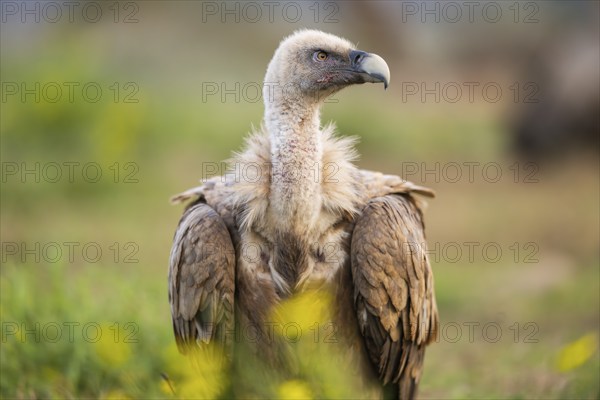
(357, 56)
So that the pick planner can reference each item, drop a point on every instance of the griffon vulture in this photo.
(318, 222)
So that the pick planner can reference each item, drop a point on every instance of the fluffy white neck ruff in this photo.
(332, 186)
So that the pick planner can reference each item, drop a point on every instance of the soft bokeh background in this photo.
(542, 291)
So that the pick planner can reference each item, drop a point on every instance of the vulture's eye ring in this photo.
(320, 56)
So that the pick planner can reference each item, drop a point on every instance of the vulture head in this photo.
(312, 65)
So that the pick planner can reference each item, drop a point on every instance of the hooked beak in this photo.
(370, 66)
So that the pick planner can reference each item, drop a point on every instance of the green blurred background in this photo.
(154, 128)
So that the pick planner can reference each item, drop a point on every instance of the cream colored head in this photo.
(312, 65)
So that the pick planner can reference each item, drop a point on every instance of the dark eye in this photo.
(320, 56)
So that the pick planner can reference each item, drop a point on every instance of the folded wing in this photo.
(202, 280)
(393, 289)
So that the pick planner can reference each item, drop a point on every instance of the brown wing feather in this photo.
(201, 279)
(393, 288)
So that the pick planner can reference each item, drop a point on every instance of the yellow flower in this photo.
(111, 348)
(578, 352)
(294, 389)
(306, 311)
(199, 375)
